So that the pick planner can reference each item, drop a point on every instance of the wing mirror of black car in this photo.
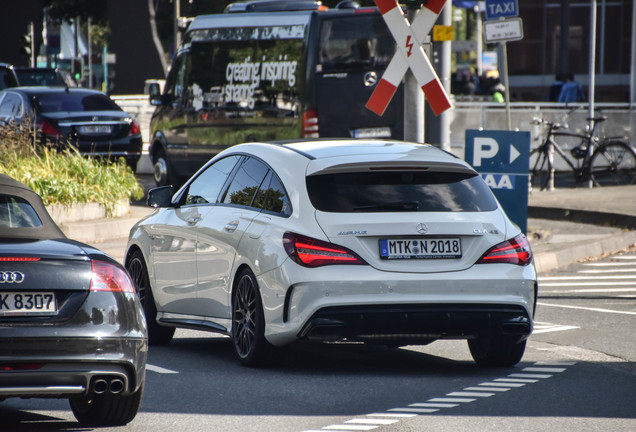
(160, 197)
(154, 92)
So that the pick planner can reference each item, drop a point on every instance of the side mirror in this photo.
(160, 197)
(155, 94)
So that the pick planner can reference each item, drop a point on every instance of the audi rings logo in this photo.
(11, 277)
(370, 78)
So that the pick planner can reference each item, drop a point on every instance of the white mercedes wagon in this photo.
(381, 242)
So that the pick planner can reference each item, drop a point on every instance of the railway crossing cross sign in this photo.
(409, 55)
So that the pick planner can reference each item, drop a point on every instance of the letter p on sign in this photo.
(484, 148)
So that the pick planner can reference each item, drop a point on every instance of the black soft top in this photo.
(48, 229)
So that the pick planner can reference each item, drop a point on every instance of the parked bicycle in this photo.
(606, 161)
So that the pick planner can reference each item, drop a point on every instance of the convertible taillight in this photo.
(514, 251)
(311, 252)
(109, 277)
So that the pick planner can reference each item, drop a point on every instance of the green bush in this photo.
(65, 177)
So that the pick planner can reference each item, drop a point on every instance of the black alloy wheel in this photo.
(248, 321)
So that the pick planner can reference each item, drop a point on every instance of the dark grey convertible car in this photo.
(71, 324)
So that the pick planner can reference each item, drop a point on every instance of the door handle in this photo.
(232, 226)
(194, 220)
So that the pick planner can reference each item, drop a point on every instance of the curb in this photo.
(573, 252)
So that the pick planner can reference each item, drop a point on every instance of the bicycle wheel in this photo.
(613, 164)
(539, 169)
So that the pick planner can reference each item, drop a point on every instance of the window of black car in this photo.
(356, 42)
(271, 196)
(75, 101)
(10, 106)
(15, 212)
(205, 189)
(400, 191)
(245, 183)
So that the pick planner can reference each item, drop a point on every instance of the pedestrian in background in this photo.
(571, 91)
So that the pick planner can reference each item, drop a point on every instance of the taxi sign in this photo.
(496, 9)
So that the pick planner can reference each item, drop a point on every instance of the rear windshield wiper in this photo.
(394, 206)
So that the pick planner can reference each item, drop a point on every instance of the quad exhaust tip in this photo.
(108, 385)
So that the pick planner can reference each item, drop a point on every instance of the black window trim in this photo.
(180, 201)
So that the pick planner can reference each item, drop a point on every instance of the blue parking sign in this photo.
(502, 158)
(496, 9)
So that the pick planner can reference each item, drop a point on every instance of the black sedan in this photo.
(71, 324)
(87, 119)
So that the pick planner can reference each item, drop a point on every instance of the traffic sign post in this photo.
(502, 158)
(410, 54)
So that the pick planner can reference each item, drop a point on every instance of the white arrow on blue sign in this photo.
(496, 9)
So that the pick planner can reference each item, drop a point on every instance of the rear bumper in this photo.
(70, 366)
(416, 324)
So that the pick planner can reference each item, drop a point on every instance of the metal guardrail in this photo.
(475, 115)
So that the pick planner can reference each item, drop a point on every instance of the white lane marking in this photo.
(544, 369)
(526, 375)
(344, 427)
(547, 328)
(578, 284)
(372, 421)
(434, 405)
(451, 400)
(470, 394)
(160, 370)
(589, 290)
(485, 388)
(415, 410)
(590, 278)
(609, 264)
(619, 270)
(503, 385)
(589, 309)
(550, 363)
(518, 380)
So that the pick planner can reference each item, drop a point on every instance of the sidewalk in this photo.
(564, 226)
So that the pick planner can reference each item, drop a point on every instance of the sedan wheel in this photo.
(248, 322)
(497, 351)
(106, 409)
(157, 334)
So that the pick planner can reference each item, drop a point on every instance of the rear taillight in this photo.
(310, 124)
(47, 129)
(311, 252)
(109, 277)
(134, 128)
(514, 251)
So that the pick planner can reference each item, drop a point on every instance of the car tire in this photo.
(157, 334)
(497, 351)
(248, 322)
(106, 409)
(162, 171)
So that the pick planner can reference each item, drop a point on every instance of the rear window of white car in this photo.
(400, 191)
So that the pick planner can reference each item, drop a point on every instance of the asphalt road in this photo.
(578, 374)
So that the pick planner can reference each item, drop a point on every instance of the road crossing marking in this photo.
(452, 400)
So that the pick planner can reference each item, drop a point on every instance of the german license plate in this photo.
(95, 129)
(378, 132)
(27, 303)
(430, 248)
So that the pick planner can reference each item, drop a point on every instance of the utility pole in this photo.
(413, 96)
